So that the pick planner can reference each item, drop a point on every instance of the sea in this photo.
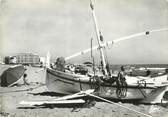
(118, 66)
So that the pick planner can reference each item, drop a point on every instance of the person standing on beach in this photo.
(25, 80)
(121, 75)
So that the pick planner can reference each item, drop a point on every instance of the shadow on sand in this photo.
(48, 94)
(52, 106)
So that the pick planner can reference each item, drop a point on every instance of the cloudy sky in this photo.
(65, 27)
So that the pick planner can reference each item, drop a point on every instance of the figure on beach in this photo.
(25, 81)
(121, 76)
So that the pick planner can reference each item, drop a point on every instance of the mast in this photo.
(92, 57)
(98, 39)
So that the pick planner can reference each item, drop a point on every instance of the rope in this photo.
(122, 90)
(121, 86)
(139, 84)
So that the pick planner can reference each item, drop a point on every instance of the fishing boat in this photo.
(66, 82)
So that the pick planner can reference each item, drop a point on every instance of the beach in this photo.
(10, 97)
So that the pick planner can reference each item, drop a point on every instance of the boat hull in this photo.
(12, 75)
(67, 83)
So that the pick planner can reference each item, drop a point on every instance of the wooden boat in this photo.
(66, 83)
(60, 81)
(11, 75)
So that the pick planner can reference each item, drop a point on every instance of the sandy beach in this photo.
(10, 97)
(114, 38)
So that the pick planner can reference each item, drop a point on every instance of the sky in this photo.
(64, 27)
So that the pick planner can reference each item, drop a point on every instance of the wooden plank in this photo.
(32, 103)
(76, 95)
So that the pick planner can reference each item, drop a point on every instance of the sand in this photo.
(10, 97)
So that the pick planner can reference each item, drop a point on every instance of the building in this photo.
(10, 60)
(13, 60)
(27, 59)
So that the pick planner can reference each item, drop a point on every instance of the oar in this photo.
(118, 104)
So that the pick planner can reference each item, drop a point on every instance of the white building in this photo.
(28, 58)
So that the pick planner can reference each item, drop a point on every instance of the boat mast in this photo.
(92, 57)
(98, 39)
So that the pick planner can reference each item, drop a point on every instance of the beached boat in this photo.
(12, 75)
(67, 83)
(61, 81)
